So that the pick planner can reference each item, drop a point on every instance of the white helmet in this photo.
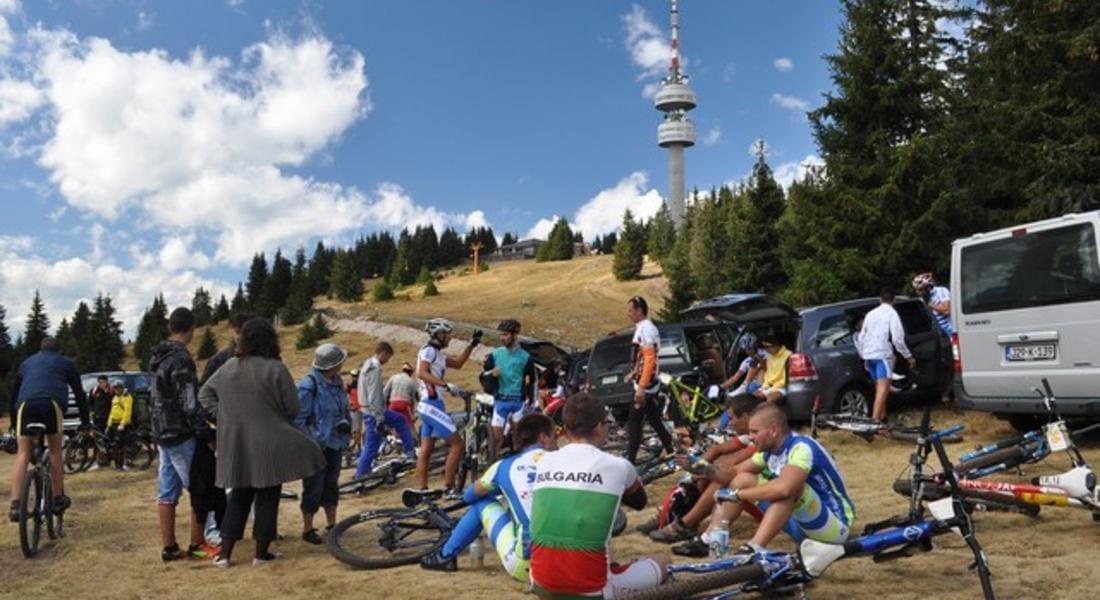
(435, 326)
(922, 281)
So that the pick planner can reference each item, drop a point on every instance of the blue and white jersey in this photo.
(437, 365)
(938, 295)
(823, 477)
(514, 479)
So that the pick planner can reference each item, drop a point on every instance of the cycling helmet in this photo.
(509, 326)
(922, 281)
(435, 326)
(749, 343)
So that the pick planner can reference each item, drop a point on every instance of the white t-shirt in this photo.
(645, 336)
(882, 333)
(437, 365)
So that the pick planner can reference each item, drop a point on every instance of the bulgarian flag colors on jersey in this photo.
(577, 494)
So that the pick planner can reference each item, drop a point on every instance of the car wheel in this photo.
(853, 399)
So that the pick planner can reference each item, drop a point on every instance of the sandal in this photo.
(312, 537)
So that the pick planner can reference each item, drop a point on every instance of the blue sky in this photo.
(154, 146)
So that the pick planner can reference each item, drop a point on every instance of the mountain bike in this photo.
(892, 538)
(867, 428)
(693, 405)
(95, 447)
(35, 502)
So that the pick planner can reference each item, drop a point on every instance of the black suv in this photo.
(137, 384)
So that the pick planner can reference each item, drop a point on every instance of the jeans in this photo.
(174, 472)
(374, 441)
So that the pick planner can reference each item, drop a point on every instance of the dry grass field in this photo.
(112, 548)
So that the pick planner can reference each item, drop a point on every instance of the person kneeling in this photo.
(509, 528)
(792, 479)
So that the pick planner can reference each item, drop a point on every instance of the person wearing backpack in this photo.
(324, 416)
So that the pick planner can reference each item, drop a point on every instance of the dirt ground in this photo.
(112, 548)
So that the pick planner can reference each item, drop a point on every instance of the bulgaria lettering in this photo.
(569, 477)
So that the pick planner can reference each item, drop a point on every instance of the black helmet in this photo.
(509, 326)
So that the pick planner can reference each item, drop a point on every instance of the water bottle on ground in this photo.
(720, 539)
(477, 554)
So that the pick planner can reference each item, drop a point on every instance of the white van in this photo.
(1026, 305)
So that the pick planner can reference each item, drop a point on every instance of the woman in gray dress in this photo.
(253, 400)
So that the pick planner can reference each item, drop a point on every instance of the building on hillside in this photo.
(521, 250)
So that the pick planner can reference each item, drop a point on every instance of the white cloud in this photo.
(541, 229)
(649, 49)
(728, 72)
(18, 100)
(783, 65)
(145, 20)
(176, 255)
(790, 102)
(713, 136)
(235, 4)
(9, 6)
(790, 172)
(603, 213)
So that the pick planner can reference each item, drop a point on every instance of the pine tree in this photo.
(201, 307)
(662, 234)
(254, 287)
(710, 247)
(320, 266)
(307, 338)
(677, 271)
(630, 251)
(239, 303)
(320, 327)
(277, 285)
(430, 289)
(208, 346)
(83, 350)
(400, 273)
(221, 312)
(103, 349)
(509, 238)
(152, 330)
(5, 344)
(754, 265)
(609, 242)
(345, 284)
(558, 245)
(451, 249)
(300, 301)
(64, 337)
(381, 291)
(38, 325)
(425, 276)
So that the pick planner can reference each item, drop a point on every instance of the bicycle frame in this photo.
(699, 408)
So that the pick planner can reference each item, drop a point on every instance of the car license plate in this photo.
(609, 380)
(1030, 352)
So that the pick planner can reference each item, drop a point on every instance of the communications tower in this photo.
(677, 132)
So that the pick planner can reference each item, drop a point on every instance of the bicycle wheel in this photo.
(1011, 456)
(974, 499)
(695, 584)
(366, 483)
(53, 521)
(391, 537)
(32, 506)
(140, 452)
(79, 455)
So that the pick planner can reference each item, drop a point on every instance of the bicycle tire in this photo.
(53, 520)
(140, 453)
(30, 514)
(79, 456)
(695, 584)
(1012, 456)
(975, 499)
(339, 539)
(362, 484)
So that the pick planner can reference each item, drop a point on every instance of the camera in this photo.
(343, 427)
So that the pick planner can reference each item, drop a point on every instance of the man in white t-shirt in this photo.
(645, 345)
(881, 334)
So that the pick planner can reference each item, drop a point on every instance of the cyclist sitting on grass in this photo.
(792, 479)
(722, 456)
(509, 526)
(122, 411)
(432, 365)
(510, 372)
(42, 385)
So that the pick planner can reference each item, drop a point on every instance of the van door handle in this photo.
(1033, 336)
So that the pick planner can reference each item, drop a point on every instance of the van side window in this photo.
(834, 332)
(1042, 268)
(914, 317)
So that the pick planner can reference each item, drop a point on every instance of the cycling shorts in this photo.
(622, 579)
(507, 538)
(38, 410)
(812, 518)
(879, 368)
(505, 411)
(434, 420)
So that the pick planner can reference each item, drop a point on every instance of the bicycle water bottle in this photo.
(720, 539)
(477, 554)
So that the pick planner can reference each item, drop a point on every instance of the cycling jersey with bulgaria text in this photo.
(437, 365)
(514, 478)
(824, 488)
(577, 494)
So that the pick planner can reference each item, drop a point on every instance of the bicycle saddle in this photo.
(412, 498)
(817, 556)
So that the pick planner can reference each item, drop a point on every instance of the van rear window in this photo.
(1054, 266)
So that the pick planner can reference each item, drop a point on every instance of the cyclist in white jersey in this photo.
(431, 371)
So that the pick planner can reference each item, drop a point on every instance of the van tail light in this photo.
(800, 367)
(956, 352)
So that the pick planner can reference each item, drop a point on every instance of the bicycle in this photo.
(892, 538)
(867, 428)
(694, 405)
(95, 447)
(35, 502)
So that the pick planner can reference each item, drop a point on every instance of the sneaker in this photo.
(60, 504)
(313, 537)
(202, 550)
(13, 512)
(746, 550)
(452, 494)
(649, 526)
(171, 553)
(672, 533)
(220, 561)
(694, 548)
(263, 560)
(436, 562)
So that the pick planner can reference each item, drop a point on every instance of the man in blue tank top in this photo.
(509, 375)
